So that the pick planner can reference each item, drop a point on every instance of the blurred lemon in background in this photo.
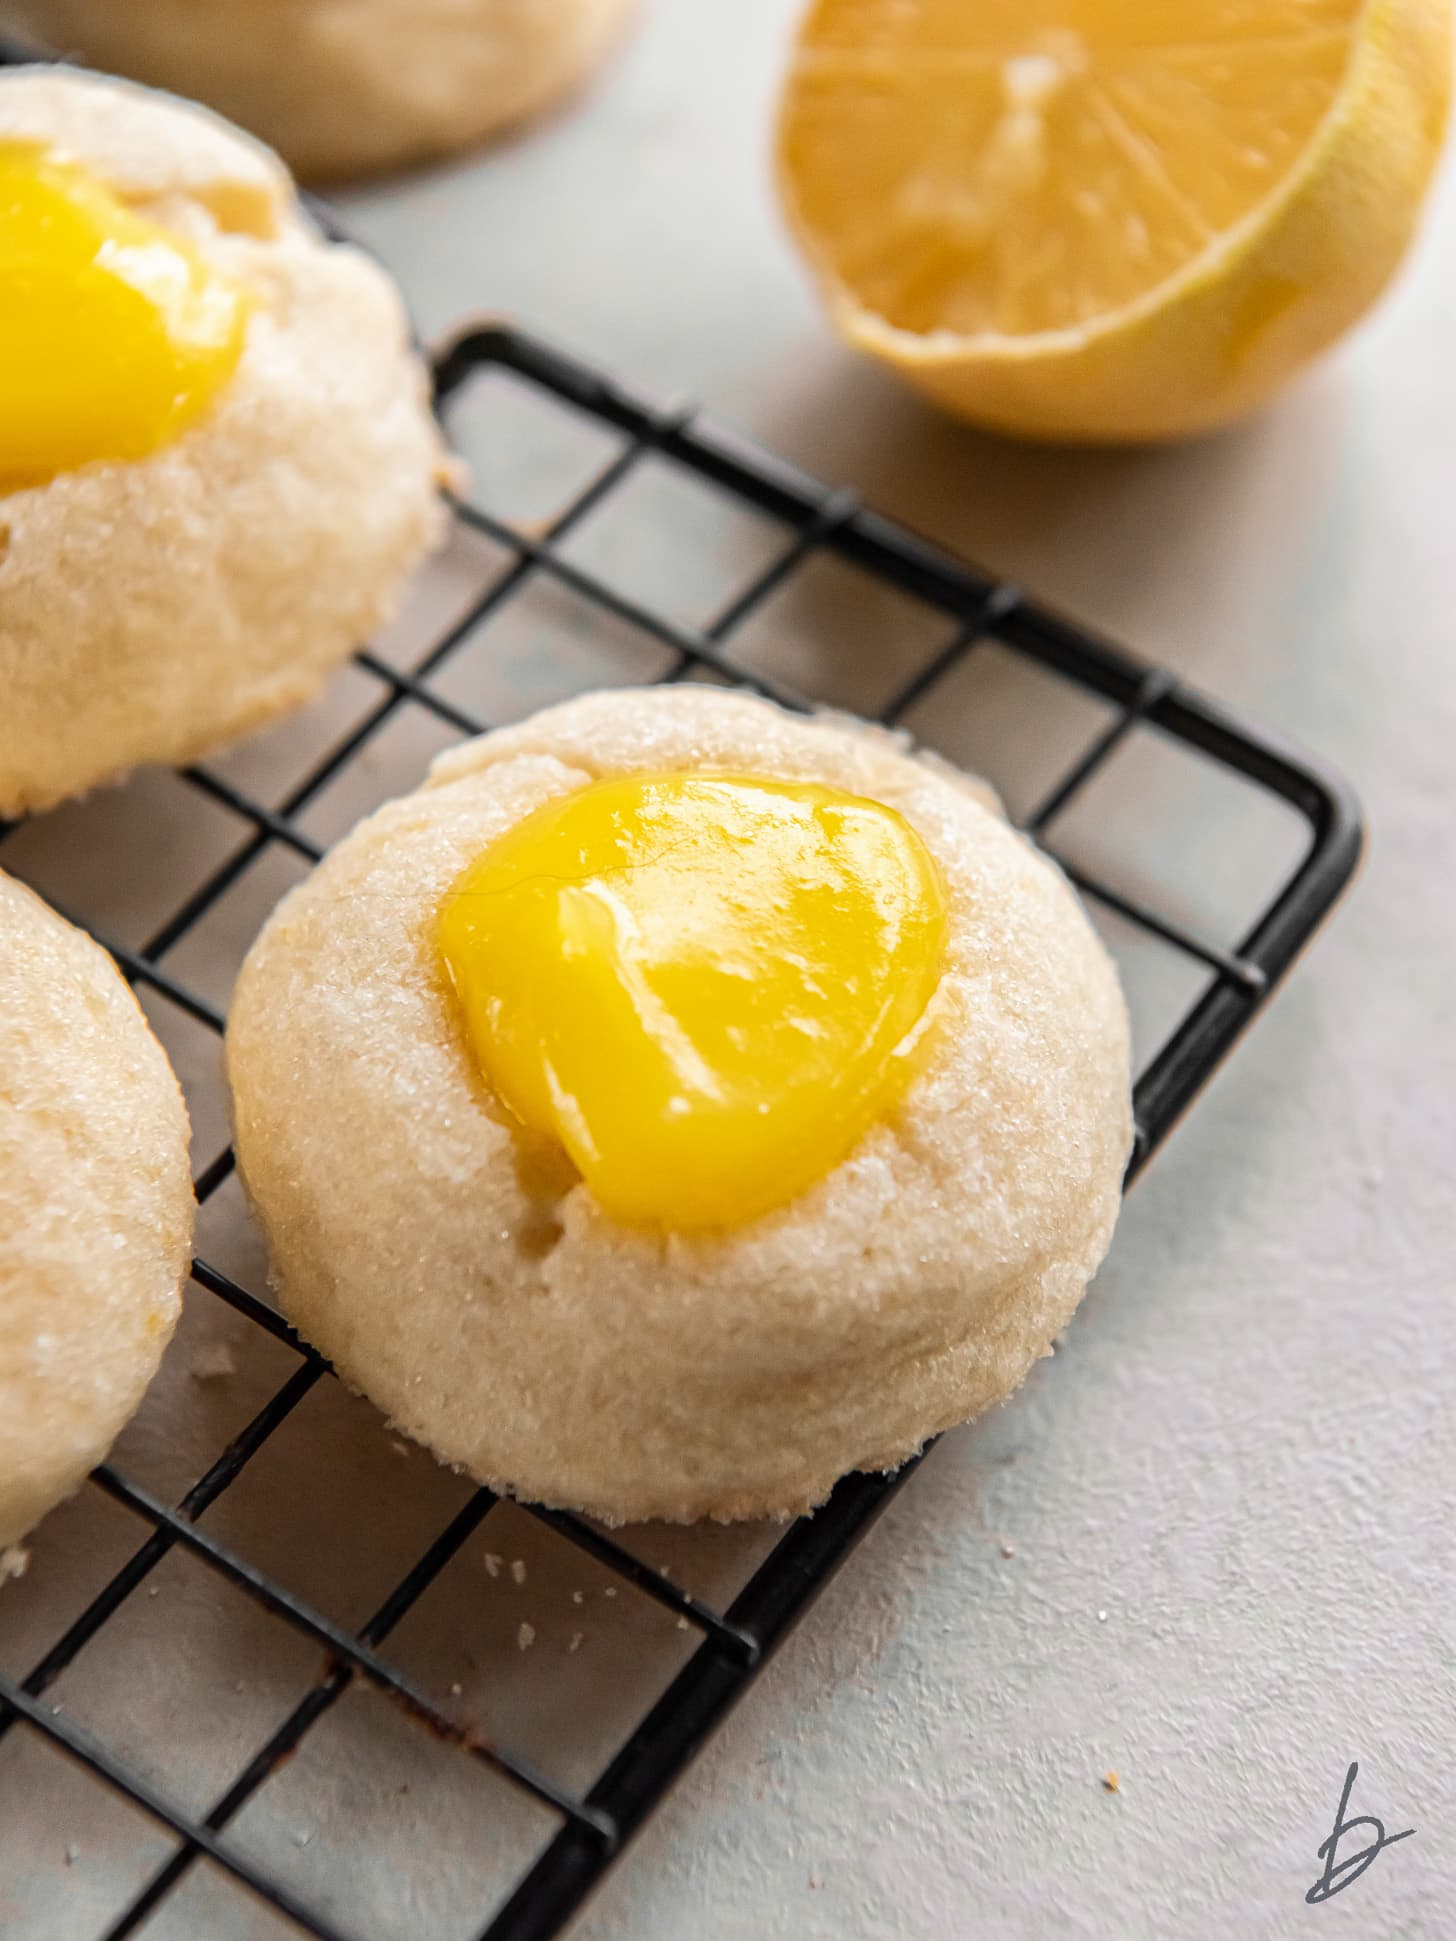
(1108, 219)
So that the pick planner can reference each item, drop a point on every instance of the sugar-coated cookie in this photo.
(95, 1206)
(153, 606)
(490, 1307)
(345, 87)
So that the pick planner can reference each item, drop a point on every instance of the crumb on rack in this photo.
(456, 1689)
(683, 1625)
(398, 1448)
(492, 1564)
(610, 1591)
(1111, 1783)
(576, 1641)
(14, 1562)
(213, 1363)
(578, 1597)
(518, 1570)
(526, 1637)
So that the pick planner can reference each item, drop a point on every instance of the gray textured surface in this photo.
(1226, 1501)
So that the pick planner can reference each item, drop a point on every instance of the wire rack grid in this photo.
(973, 616)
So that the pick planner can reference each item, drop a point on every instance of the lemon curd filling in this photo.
(703, 988)
(115, 335)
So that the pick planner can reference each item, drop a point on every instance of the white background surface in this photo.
(1244, 1456)
(1227, 1499)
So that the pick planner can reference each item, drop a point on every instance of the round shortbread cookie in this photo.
(495, 1313)
(152, 608)
(95, 1206)
(364, 85)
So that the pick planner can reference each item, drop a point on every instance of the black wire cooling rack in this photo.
(971, 617)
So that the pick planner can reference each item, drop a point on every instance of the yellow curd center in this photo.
(704, 988)
(114, 334)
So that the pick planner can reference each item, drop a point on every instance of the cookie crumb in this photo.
(518, 1570)
(526, 1637)
(683, 1625)
(492, 1564)
(214, 1363)
(1007, 1549)
(1111, 1783)
(610, 1591)
(576, 1639)
(456, 1689)
(14, 1562)
(398, 1448)
(578, 1597)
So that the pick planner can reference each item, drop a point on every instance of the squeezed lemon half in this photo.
(703, 989)
(115, 335)
(1108, 219)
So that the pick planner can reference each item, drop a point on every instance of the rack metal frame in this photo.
(736, 1642)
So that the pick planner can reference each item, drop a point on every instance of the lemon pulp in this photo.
(703, 988)
(1010, 169)
(114, 334)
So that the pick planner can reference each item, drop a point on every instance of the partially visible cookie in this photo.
(345, 87)
(96, 1206)
(153, 606)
